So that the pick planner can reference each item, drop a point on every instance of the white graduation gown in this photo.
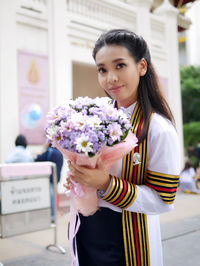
(163, 157)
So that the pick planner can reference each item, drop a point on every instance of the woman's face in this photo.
(118, 74)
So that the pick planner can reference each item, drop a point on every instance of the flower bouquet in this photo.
(84, 130)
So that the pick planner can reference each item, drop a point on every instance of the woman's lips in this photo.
(116, 88)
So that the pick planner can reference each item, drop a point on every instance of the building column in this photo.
(60, 63)
(143, 17)
(9, 126)
(59, 54)
(169, 13)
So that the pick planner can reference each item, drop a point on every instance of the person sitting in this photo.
(20, 154)
(52, 155)
(197, 176)
(187, 179)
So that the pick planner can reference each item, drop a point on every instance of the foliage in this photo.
(190, 87)
(191, 133)
(191, 137)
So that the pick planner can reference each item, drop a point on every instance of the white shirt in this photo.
(20, 155)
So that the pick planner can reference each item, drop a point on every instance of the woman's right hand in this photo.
(68, 185)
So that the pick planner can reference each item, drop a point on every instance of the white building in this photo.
(193, 35)
(189, 53)
(60, 35)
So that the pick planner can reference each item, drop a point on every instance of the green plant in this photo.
(190, 88)
(191, 133)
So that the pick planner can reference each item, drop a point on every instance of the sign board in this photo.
(24, 195)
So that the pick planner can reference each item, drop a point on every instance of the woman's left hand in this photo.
(96, 177)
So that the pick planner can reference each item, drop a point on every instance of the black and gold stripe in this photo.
(135, 232)
(165, 185)
(121, 194)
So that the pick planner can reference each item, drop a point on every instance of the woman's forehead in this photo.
(112, 53)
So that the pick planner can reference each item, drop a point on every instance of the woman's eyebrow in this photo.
(118, 59)
(101, 64)
(114, 61)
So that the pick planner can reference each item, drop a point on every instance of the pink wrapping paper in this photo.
(84, 200)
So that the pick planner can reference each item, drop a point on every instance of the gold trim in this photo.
(161, 174)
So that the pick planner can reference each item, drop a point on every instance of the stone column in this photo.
(169, 14)
(60, 63)
(143, 17)
(8, 78)
(59, 53)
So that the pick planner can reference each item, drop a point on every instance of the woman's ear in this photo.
(142, 64)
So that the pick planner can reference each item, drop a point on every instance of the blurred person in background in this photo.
(51, 154)
(187, 179)
(190, 150)
(20, 154)
(197, 149)
(197, 176)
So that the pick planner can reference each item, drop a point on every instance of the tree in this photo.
(190, 87)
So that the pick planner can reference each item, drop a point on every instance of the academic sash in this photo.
(123, 193)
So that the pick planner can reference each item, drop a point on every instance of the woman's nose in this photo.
(112, 77)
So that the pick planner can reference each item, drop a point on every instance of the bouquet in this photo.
(84, 130)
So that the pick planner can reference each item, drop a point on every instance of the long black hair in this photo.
(149, 92)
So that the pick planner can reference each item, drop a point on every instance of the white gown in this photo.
(164, 157)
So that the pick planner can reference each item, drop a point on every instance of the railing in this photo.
(33, 8)
(111, 12)
(32, 12)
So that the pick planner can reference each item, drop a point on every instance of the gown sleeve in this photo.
(158, 193)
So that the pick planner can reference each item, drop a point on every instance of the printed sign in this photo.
(33, 95)
(24, 195)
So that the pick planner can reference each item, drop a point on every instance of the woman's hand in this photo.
(97, 178)
(68, 185)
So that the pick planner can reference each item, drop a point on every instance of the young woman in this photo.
(134, 191)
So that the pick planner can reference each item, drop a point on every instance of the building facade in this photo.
(46, 57)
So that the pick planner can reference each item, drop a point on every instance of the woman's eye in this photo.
(120, 65)
(101, 70)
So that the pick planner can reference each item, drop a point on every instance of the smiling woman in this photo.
(119, 76)
(125, 231)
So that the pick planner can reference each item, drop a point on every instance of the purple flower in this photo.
(85, 125)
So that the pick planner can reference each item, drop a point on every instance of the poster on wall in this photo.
(33, 95)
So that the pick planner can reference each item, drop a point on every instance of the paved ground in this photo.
(180, 236)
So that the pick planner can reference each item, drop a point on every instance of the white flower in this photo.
(115, 131)
(110, 111)
(94, 121)
(66, 126)
(83, 101)
(83, 145)
(102, 101)
(52, 131)
(122, 115)
(79, 121)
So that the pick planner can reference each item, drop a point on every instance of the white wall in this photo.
(8, 78)
(193, 35)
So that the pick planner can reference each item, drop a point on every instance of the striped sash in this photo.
(122, 194)
(135, 232)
